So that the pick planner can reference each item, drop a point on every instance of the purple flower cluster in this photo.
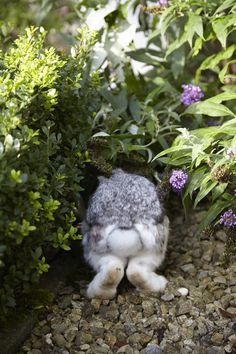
(177, 180)
(231, 152)
(191, 94)
(228, 219)
(162, 3)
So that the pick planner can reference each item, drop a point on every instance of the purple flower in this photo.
(177, 180)
(231, 152)
(191, 94)
(162, 3)
(228, 219)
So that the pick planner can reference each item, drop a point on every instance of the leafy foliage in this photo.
(47, 102)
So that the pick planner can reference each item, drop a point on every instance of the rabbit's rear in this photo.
(125, 227)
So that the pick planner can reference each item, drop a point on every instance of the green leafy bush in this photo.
(47, 103)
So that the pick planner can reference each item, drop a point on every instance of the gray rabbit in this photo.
(125, 228)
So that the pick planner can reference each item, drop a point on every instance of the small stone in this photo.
(127, 349)
(153, 349)
(35, 351)
(213, 350)
(217, 338)
(188, 268)
(232, 339)
(148, 308)
(71, 333)
(183, 291)
(83, 338)
(59, 340)
(167, 297)
(203, 274)
(85, 347)
(183, 307)
(65, 302)
(220, 280)
(96, 303)
(48, 339)
(228, 348)
(233, 303)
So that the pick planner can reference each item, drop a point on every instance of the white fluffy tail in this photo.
(123, 242)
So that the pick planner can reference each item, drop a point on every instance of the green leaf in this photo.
(226, 4)
(192, 26)
(172, 149)
(146, 56)
(195, 181)
(220, 26)
(212, 213)
(212, 61)
(205, 189)
(225, 96)
(209, 108)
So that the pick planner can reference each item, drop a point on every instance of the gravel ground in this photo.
(196, 314)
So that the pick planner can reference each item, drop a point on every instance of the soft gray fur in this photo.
(124, 204)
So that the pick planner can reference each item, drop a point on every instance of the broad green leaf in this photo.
(195, 181)
(146, 56)
(218, 190)
(226, 4)
(220, 26)
(205, 190)
(212, 61)
(209, 108)
(192, 26)
(225, 96)
(172, 149)
(196, 151)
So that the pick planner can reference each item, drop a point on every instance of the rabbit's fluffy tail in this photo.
(124, 242)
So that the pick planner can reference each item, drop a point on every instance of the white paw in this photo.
(158, 284)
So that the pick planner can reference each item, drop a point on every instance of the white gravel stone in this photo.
(183, 291)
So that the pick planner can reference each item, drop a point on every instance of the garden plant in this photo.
(151, 83)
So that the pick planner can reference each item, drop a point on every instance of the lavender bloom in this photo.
(191, 94)
(231, 152)
(162, 3)
(228, 219)
(177, 180)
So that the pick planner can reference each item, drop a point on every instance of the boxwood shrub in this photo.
(48, 100)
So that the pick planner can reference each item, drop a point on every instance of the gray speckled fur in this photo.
(124, 199)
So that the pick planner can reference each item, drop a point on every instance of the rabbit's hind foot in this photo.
(140, 273)
(105, 282)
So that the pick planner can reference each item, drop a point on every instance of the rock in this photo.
(188, 268)
(152, 349)
(217, 338)
(59, 340)
(167, 297)
(85, 347)
(183, 307)
(220, 280)
(148, 308)
(83, 338)
(96, 303)
(228, 348)
(182, 291)
(36, 351)
(127, 349)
